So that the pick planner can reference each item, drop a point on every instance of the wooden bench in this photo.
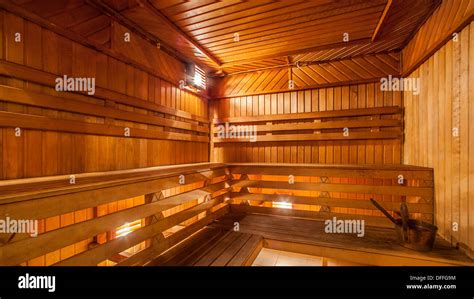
(342, 191)
(204, 191)
(213, 246)
(378, 247)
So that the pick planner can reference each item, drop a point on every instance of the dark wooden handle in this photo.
(378, 206)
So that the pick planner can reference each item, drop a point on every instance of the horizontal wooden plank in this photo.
(174, 239)
(107, 50)
(232, 250)
(189, 248)
(333, 202)
(328, 125)
(217, 251)
(369, 220)
(367, 256)
(14, 253)
(43, 123)
(380, 244)
(102, 252)
(94, 185)
(345, 188)
(290, 166)
(65, 203)
(48, 79)
(248, 253)
(313, 137)
(311, 115)
(25, 97)
(337, 171)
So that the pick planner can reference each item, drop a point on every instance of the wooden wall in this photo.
(446, 103)
(70, 133)
(325, 152)
(124, 92)
(437, 30)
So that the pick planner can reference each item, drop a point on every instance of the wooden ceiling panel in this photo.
(146, 18)
(369, 68)
(271, 30)
(215, 18)
(281, 22)
(201, 10)
(271, 33)
(76, 15)
(334, 28)
(256, 21)
(164, 4)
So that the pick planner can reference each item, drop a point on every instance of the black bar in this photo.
(242, 282)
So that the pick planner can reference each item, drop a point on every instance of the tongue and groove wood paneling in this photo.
(368, 68)
(75, 15)
(270, 30)
(446, 103)
(438, 29)
(323, 99)
(30, 68)
(121, 89)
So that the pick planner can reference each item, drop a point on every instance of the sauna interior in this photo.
(235, 133)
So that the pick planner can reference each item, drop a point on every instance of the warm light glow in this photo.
(197, 79)
(282, 205)
(128, 228)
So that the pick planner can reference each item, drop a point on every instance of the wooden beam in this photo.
(111, 12)
(382, 20)
(170, 23)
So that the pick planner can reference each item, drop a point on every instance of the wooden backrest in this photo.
(192, 194)
(176, 201)
(348, 124)
(325, 191)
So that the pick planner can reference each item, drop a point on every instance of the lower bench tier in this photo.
(220, 245)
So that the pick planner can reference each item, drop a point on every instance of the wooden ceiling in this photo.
(270, 33)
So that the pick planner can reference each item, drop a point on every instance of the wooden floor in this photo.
(213, 246)
(219, 245)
